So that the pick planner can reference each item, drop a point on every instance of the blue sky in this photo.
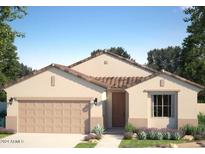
(67, 34)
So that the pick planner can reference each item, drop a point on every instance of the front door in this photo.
(118, 109)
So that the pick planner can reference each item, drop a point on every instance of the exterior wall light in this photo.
(95, 101)
(11, 100)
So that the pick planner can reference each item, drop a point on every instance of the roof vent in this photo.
(52, 81)
(161, 83)
(105, 62)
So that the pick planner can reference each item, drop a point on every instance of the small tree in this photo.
(165, 58)
(116, 50)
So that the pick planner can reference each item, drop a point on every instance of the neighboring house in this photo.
(104, 89)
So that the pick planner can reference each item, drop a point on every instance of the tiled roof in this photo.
(105, 82)
(121, 82)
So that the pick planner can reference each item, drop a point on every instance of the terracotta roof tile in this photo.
(120, 82)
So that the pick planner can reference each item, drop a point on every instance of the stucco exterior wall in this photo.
(140, 102)
(66, 86)
(114, 67)
(201, 108)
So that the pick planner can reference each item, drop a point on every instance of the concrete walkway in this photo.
(199, 144)
(110, 141)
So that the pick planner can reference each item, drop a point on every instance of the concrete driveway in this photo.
(41, 140)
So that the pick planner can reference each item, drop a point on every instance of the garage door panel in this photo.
(66, 121)
(75, 114)
(22, 128)
(49, 112)
(58, 112)
(66, 130)
(22, 121)
(39, 129)
(30, 106)
(23, 113)
(66, 106)
(76, 130)
(30, 113)
(75, 106)
(30, 120)
(58, 121)
(54, 117)
(48, 128)
(48, 106)
(39, 105)
(57, 128)
(49, 120)
(39, 121)
(39, 113)
(22, 106)
(66, 112)
(30, 128)
(58, 105)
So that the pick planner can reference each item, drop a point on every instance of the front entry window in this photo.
(162, 106)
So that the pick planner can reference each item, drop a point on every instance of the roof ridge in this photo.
(130, 61)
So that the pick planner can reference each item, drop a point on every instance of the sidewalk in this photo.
(110, 141)
(199, 144)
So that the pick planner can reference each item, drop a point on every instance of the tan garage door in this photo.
(54, 116)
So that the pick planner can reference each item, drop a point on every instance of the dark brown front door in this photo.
(118, 109)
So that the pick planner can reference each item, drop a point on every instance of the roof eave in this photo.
(201, 87)
(57, 66)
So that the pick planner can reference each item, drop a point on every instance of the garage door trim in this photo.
(54, 98)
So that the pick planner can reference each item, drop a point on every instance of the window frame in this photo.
(170, 105)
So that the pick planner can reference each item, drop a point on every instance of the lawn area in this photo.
(3, 135)
(146, 143)
(85, 145)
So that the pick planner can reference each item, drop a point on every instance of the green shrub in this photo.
(98, 130)
(151, 135)
(166, 135)
(188, 129)
(175, 136)
(200, 129)
(201, 119)
(130, 128)
(200, 136)
(142, 135)
(158, 136)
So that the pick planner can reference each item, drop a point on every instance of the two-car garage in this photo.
(54, 116)
(55, 99)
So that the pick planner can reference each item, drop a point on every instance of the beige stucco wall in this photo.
(66, 86)
(140, 101)
(201, 108)
(114, 67)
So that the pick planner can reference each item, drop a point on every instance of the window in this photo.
(162, 106)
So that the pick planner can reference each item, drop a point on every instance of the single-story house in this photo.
(104, 89)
